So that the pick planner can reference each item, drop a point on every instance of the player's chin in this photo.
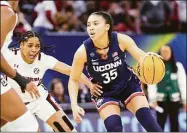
(32, 59)
(94, 37)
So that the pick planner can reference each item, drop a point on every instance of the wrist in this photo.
(90, 84)
(74, 105)
(21, 80)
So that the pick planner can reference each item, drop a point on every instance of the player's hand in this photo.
(78, 113)
(32, 90)
(155, 54)
(95, 90)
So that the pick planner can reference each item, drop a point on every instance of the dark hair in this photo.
(29, 34)
(172, 60)
(108, 20)
(52, 87)
(53, 82)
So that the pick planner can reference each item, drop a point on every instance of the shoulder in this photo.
(81, 50)
(80, 54)
(124, 38)
(87, 41)
(124, 41)
(44, 56)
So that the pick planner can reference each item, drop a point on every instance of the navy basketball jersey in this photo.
(112, 73)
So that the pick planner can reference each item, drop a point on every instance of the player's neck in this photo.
(102, 42)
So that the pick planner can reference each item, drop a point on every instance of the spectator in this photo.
(104, 5)
(174, 24)
(182, 15)
(79, 7)
(45, 12)
(119, 17)
(23, 25)
(57, 91)
(168, 93)
(155, 16)
(91, 6)
(83, 22)
(27, 7)
(84, 94)
(130, 16)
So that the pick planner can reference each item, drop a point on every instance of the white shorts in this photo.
(43, 108)
(4, 85)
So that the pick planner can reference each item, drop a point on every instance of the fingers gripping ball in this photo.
(150, 69)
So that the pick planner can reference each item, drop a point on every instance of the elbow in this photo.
(72, 81)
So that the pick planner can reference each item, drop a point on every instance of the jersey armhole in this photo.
(119, 43)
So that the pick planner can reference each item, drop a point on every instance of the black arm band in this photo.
(21, 81)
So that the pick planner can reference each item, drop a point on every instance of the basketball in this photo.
(151, 69)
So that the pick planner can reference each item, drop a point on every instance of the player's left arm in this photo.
(127, 43)
(66, 69)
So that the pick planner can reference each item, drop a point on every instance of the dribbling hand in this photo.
(32, 90)
(78, 113)
(155, 54)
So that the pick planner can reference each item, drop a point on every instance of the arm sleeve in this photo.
(181, 81)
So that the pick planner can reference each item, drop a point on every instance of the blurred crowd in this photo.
(58, 92)
(133, 16)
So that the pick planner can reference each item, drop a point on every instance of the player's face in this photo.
(165, 52)
(96, 27)
(58, 89)
(30, 49)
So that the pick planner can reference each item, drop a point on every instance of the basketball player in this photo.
(104, 54)
(9, 98)
(32, 64)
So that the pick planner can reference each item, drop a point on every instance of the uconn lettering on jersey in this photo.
(107, 66)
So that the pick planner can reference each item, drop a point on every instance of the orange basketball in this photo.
(151, 69)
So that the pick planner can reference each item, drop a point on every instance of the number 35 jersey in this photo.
(112, 73)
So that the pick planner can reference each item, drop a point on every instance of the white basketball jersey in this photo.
(33, 72)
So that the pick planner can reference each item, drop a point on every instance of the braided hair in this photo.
(29, 34)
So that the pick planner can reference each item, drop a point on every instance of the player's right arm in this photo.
(8, 20)
(76, 71)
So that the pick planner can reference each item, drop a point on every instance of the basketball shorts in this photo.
(132, 90)
(43, 108)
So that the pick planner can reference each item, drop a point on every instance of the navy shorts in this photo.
(133, 89)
